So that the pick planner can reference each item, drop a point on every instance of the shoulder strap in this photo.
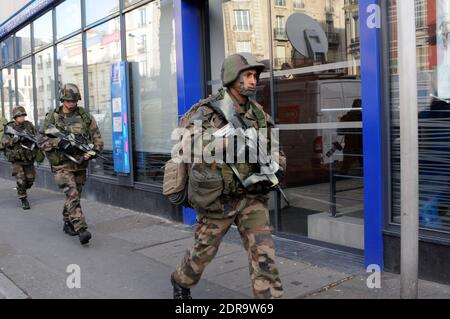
(259, 113)
(188, 116)
(225, 107)
(50, 116)
(85, 116)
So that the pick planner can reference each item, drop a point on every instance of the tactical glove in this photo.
(280, 174)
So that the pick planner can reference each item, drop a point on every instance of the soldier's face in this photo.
(249, 78)
(246, 83)
(70, 105)
(20, 119)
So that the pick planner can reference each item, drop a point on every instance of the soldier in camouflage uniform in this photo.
(70, 176)
(21, 154)
(220, 200)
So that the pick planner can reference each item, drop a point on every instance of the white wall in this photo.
(8, 8)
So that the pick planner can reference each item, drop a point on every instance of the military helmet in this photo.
(234, 64)
(70, 92)
(18, 111)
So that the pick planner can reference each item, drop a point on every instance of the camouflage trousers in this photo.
(25, 174)
(252, 221)
(72, 184)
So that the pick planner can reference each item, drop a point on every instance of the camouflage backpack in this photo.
(176, 173)
(3, 123)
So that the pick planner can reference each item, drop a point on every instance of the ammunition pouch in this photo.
(205, 188)
(55, 157)
(175, 182)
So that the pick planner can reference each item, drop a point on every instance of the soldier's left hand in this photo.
(87, 156)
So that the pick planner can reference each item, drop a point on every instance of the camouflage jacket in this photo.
(78, 122)
(227, 182)
(14, 151)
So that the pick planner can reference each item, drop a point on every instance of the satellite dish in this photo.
(307, 36)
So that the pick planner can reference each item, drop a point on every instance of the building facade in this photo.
(337, 117)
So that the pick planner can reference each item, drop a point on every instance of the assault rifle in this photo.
(77, 141)
(268, 166)
(24, 135)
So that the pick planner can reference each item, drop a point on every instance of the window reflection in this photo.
(7, 52)
(9, 93)
(45, 83)
(103, 49)
(68, 17)
(98, 9)
(70, 63)
(433, 70)
(23, 41)
(150, 38)
(317, 104)
(25, 87)
(43, 30)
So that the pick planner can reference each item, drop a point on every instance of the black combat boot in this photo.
(178, 291)
(68, 229)
(25, 203)
(84, 236)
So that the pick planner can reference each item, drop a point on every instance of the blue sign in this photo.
(119, 111)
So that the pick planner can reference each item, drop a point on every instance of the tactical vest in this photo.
(17, 153)
(231, 184)
(77, 123)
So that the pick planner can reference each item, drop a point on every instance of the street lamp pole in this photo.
(408, 149)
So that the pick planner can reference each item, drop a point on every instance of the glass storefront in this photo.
(43, 31)
(316, 105)
(9, 91)
(45, 83)
(433, 92)
(64, 25)
(25, 87)
(98, 9)
(23, 42)
(103, 49)
(150, 37)
(64, 58)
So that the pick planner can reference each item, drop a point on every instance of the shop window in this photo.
(23, 42)
(70, 63)
(9, 91)
(7, 50)
(103, 49)
(99, 9)
(433, 94)
(25, 88)
(319, 113)
(43, 30)
(151, 53)
(68, 18)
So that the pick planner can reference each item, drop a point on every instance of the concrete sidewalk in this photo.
(132, 255)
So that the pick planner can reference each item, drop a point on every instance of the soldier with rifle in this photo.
(20, 146)
(70, 139)
(233, 192)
